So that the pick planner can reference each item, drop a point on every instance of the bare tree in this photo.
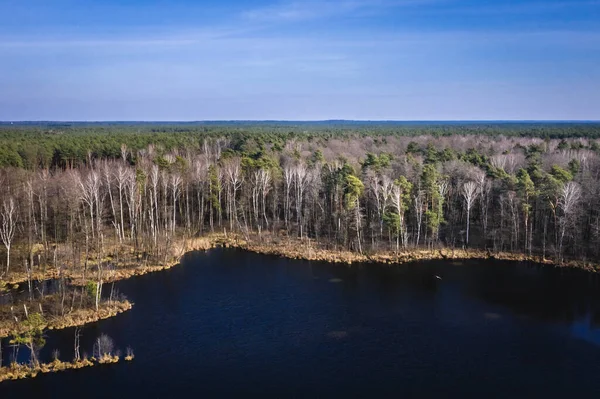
(132, 198)
(175, 182)
(200, 177)
(264, 180)
(300, 174)
(108, 180)
(76, 344)
(233, 174)
(470, 191)
(122, 176)
(387, 191)
(261, 185)
(485, 188)
(154, 207)
(570, 195)
(104, 346)
(400, 203)
(288, 179)
(89, 192)
(419, 210)
(8, 214)
(43, 181)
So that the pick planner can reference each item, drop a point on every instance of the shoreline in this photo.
(307, 249)
(77, 318)
(304, 249)
(17, 371)
(285, 247)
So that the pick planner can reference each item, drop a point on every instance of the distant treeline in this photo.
(52, 145)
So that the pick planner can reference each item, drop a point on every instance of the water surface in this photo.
(232, 323)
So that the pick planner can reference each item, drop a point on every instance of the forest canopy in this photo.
(66, 144)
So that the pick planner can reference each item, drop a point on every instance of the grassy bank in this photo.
(21, 371)
(290, 247)
(127, 261)
(78, 317)
(307, 249)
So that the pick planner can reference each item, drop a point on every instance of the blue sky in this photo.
(299, 60)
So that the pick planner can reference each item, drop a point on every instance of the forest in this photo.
(80, 202)
(46, 145)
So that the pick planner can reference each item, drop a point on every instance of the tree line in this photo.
(66, 145)
(531, 196)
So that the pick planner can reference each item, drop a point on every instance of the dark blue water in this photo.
(231, 323)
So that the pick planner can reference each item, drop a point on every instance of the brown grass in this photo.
(307, 249)
(78, 317)
(133, 264)
(20, 371)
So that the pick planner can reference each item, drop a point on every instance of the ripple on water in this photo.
(492, 316)
(229, 323)
(337, 334)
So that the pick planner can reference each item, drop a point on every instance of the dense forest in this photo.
(62, 145)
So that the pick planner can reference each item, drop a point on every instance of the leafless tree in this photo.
(260, 185)
(104, 346)
(470, 192)
(122, 175)
(288, 179)
(200, 177)
(89, 193)
(233, 176)
(300, 174)
(76, 344)
(108, 180)
(570, 195)
(154, 206)
(484, 188)
(418, 202)
(397, 202)
(175, 183)
(8, 216)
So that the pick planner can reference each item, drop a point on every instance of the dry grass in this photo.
(132, 263)
(20, 371)
(78, 317)
(108, 359)
(84, 316)
(307, 249)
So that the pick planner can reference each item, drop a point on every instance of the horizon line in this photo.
(308, 121)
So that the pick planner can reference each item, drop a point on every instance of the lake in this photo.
(231, 323)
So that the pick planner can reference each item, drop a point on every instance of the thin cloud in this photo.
(173, 38)
(307, 10)
(523, 8)
(358, 39)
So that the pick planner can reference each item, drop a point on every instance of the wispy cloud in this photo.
(257, 42)
(522, 8)
(260, 27)
(173, 37)
(311, 9)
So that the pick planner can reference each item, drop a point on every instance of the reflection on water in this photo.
(492, 316)
(586, 329)
(337, 334)
(20, 292)
(230, 323)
